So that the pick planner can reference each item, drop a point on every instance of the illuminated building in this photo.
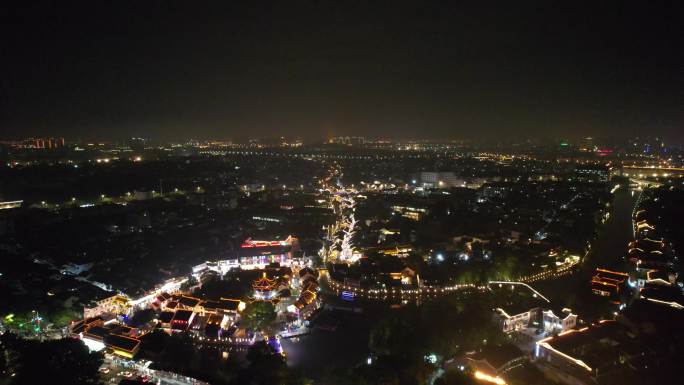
(258, 254)
(536, 319)
(249, 242)
(570, 352)
(78, 327)
(608, 283)
(413, 213)
(660, 277)
(604, 151)
(111, 305)
(188, 303)
(438, 179)
(223, 306)
(36, 143)
(662, 292)
(400, 251)
(254, 255)
(10, 205)
(642, 228)
(264, 288)
(592, 173)
(586, 144)
(647, 254)
(98, 335)
(182, 320)
(123, 346)
(521, 310)
(348, 140)
(306, 303)
(305, 275)
(171, 305)
(164, 319)
(160, 300)
(644, 336)
(94, 336)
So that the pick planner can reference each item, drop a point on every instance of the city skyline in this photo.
(386, 69)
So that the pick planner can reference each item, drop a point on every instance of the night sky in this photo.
(426, 69)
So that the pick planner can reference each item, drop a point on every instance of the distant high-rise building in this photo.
(587, 144)
(348, 140)
(442, 179)
(36, 143)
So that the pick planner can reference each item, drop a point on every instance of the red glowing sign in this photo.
(604, 151)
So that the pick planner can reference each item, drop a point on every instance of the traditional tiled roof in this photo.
(264, 283)
(120, 342)
(189, 301)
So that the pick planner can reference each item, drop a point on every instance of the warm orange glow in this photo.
(486, 377)
(122, 353)
(604, 283)
(612, 272)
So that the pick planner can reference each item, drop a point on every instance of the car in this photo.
(126, 374)
(104, 370)
(143, 378)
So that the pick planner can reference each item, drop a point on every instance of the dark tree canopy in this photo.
(258, 315)
(65, 361)
(266, 367)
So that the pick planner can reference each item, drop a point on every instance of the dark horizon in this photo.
(172, 71)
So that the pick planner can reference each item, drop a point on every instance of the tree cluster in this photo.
(403, 340)
(65, 361)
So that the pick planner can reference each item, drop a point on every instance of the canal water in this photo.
(608, 251)
(345, 346)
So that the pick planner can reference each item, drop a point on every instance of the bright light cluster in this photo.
(486, 377)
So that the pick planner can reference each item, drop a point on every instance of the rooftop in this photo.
(166, 316)
(189, 301)
(121, 342)
(182, 316)
(264, 283)
(593, 345)
(97, 331)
